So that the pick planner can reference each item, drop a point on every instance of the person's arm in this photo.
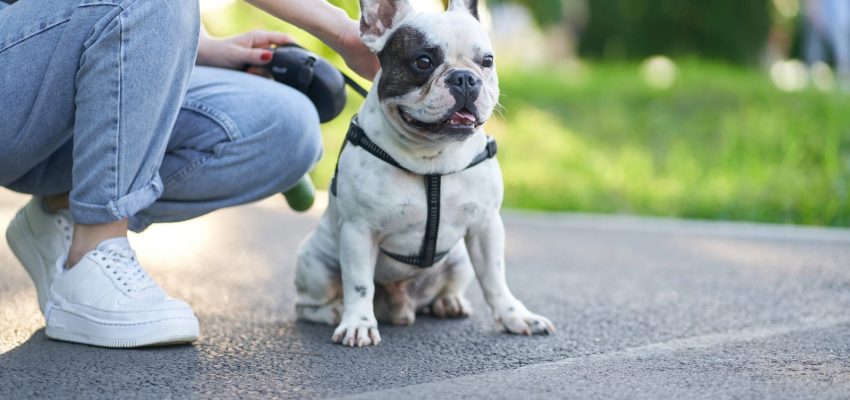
(329, 24)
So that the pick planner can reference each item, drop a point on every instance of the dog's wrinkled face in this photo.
(438, 76)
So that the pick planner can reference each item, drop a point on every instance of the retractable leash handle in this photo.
(324, 85)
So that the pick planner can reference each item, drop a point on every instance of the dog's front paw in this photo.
(357, 331)
(517, 319)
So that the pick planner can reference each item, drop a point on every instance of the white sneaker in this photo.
(108, 300)
(38, 240)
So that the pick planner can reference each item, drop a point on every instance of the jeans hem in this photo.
(116, 210)
(138, 223)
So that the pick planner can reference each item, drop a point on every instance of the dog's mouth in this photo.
(461, 122)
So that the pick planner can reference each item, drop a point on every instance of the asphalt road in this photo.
(646, 308)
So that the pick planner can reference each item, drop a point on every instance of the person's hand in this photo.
(358, 57)
(236, 52)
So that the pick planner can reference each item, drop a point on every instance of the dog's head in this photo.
(438, 76)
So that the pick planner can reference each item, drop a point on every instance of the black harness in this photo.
(428, 254)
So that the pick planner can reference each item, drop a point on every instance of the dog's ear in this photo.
(468, 5)
(378, 17)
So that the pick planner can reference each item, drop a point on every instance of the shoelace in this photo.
(130, 274)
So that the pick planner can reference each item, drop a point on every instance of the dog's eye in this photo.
(423, 63)
(487, 62)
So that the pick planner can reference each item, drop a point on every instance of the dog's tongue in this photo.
(463, 117)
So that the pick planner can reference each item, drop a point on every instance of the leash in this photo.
(354, 85)
(428, 254)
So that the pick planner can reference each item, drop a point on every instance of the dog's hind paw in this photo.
(326, 314)
(359, 332)
(451, 306)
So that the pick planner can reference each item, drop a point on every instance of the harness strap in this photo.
(414, 260)
(428, 254)
(488, 153)
(432, 224)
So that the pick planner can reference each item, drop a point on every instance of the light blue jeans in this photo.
(100, 98)
(827, 28)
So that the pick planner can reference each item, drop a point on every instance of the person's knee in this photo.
(291, 136)
(269, 129)
(299, 138)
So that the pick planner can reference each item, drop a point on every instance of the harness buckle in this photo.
(355, 133)
(491, 148)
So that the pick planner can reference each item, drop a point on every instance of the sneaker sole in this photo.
(69, 327)
(20, 240)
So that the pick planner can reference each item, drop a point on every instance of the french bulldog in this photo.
(436, 88)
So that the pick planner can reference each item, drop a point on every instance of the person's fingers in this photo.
(259, 71)
(250, 56)
(261, 38)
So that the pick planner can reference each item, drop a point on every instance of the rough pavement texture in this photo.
(646, 308)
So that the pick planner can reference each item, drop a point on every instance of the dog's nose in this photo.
(463, 80)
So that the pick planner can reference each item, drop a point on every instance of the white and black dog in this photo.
(417, 164)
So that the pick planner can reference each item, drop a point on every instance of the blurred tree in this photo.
(546, 12)
(729, 30)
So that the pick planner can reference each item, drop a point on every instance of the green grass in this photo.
(723, 143)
